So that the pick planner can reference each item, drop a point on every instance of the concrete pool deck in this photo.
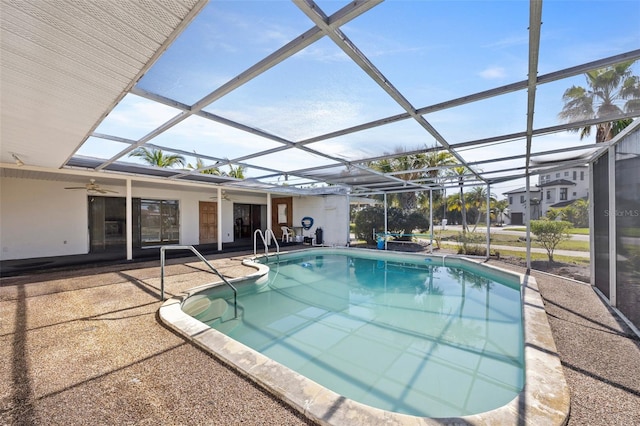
(86, 346)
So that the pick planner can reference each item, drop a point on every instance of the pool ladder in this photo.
(263, 237)
(201, 257)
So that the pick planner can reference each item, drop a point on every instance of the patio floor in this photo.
(84, 346)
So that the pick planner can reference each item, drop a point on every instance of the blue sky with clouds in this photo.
(431, 51)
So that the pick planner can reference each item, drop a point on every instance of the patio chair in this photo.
(287, 234)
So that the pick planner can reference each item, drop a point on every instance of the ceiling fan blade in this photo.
(75, 187)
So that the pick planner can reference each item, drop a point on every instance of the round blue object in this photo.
(307, 223)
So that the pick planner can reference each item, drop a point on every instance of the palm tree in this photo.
(155, 157)
(500, 207)
(453, 205)
(408, 164)
(415, 167)
(236, 172)
(386, 166)
(201, 166)
(435, 159)
(477, 199)
(458, 173)
(610, 91)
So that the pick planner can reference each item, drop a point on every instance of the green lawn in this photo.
(514, 241)
(576, 231)
(542, 256)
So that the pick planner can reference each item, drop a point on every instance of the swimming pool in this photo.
(323, 330)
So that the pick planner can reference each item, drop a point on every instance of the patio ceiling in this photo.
(306, 96)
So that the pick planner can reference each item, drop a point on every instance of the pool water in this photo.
(408, 336)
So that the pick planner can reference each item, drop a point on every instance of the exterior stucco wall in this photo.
(39, 218)
(330, 213)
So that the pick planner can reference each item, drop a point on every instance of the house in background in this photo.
(517, 214)
(561, 188)
(555, 189)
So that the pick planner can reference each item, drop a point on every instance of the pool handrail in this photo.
(264, 241)
(201, 257)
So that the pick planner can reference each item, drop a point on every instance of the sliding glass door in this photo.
(159, 222)
(154, 222)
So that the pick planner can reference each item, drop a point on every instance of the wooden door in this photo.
(281, 214)
(208, 222)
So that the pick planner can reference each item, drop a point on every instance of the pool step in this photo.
(205, 310)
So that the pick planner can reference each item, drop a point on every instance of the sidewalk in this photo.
(582, 254)
(507, 230)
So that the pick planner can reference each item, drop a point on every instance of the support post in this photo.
(219, 213)
(431, 220)
(488, 220)
(269, 219)
(592, 246)
(348, 220)
(613, 249)
(528, 213)
(129, 223)
(385, 221)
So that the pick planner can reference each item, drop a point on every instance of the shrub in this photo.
(550, 233)
(471, 244)
(577, 213)
(553, 213)
(371, 218)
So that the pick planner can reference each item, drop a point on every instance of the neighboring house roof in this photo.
(523, 189)
(556, 182)
(566, 203)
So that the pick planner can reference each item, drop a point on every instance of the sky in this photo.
(431, 51)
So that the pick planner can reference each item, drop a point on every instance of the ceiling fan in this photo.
(225, 197)
(92, 187)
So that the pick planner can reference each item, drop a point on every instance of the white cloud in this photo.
(493, 73)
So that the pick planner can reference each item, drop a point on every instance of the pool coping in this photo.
(544, 399)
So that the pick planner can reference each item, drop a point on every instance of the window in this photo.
(566, 174)
(582, 175)
(557, 175)
(522, 198)
(575, 175)
(548, 177)
(510, 199)
(563, 194)
(548, 194)
(159, 222)
(575, 194)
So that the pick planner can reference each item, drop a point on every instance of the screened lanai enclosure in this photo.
(362, 99)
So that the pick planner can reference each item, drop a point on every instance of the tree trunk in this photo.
(477, 220)
(463, 211)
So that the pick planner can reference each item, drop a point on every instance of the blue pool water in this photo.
(408, 336)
